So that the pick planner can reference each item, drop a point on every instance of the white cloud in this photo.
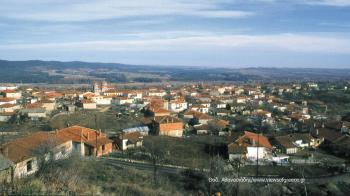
(339, 3)
(193, 42)
(40, 10)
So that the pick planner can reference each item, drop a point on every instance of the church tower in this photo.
(96, 88)
(104, 86)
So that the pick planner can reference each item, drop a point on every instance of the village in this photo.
(257, 129)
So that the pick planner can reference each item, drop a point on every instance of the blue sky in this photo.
(216, 33)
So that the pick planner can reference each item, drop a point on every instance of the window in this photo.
(63, 150)
(29, 166)
(103, 147)
(75, 146)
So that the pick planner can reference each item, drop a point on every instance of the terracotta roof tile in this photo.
(133, 137)
(287, 141)
(82, 134)
(6, 99)
(253, 139)
(7, 105)
(166, 119)
(23, 148)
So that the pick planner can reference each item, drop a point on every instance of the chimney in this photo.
(56, 131)
(88, 135)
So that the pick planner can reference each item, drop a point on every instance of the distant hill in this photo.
(36, 71)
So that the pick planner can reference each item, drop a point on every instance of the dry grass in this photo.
(106, 121)
(189, 152)
(82, 176)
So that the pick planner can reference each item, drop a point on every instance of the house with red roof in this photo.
(7, 111)
(9, 107)
(200, 108)
(87, 142)
(123, 100)
(252, 146)
(159, 112)
(88, 104)
(128, 140)
(168, 125)
(34, 111)
(7, 100)
(12, 93)
(156, 93)
(25, 153)
(177, 105)
(292, 143)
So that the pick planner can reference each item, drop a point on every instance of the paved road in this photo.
(142, 165)
(172, 169)
(105, 109)
(59, 114)
(344, 177)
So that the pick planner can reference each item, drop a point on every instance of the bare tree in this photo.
(236, 164)
(44, 153)
(214, 128)
(218, 172)
(157, 153)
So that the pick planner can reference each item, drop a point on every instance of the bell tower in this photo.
(96, 88)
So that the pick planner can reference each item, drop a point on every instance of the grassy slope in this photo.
(190, 152)
(92, 177)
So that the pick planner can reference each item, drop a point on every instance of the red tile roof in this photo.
(234, 148)
(253, 139)
(86, 101)
(53, 94)
(327, 134)
(34, 105)
(9, 91)
(6, 99)
(287, 141)
(7, 113)
(159, 110)
(25, 147)
(166, 119)
(83, 134)
(132, 137)
(7, 105)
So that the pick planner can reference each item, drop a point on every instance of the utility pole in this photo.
(96, 134)
(257, 148)
(305, 189)
(257, 157)
(96, 145)
(95, 121)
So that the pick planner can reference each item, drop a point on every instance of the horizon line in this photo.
(188, 66)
